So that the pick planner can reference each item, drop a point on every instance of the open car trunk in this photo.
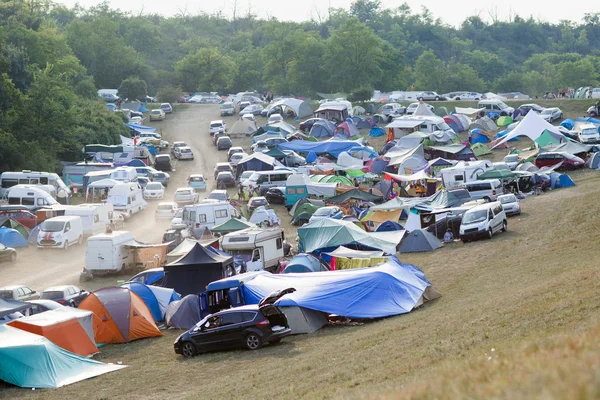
(275, 316)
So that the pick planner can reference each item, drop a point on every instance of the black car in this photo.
(173, 237)
(225, 180)
(162, 162)
(7, 253)
(224, 143)
(247, 326)
(275, 196)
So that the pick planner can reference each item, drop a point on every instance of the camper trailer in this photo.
(9, 179)
(299, 186)
(427, 124)
(90, 218)
(124, 174)
(107, 253)
(464, 172)
(127, 197)
(207, 214)
(255, 249)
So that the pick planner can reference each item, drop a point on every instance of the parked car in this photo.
(248, 326)
(468, 96)
(428, 96)
(68, 295)
(176, 145)
(217, 126)
(243, 104)
(236, 158)
(224, 143)
(551, 158)
(260, 147)
(413, 106)
(197, 182)
(222, 166)
(225, 179)
(510, 204)
(293, 159)
(333, 212)
(233, 150)
(136, 120)
(552, 114)
(184, 153)
(161, 177)
(186, 195)
(143, 181)
(391, 110)
(165, 210)
(217, 136)
(18, 292)
(7, 253)
(177, 221)
(174, 237)
(512, 160)
(525, 108)
(109, 97)
(249, 117)
(244, 175)
(256, 202)
(307, 125)
(152, 276)
(162, 162)
(220, 195)
(483, 221)
(145, 171)
(273, 142)
(275, 195)
(24, 217)
(253, 109)
(154, 190)
(166, 107)
(227, 108)
(39, 306)
(157, 115)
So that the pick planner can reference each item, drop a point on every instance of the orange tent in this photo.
(61, 329)
(122, 313)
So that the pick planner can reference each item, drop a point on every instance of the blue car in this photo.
(333, 212)
(152, 276)
(197, 182)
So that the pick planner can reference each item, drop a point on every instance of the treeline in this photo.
(53, 59)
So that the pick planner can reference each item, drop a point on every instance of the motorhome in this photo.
(107, 253)
(30, 196)
(26, 177)
(254, 249)
(127, 197)
(124, 174)
(207, 214)
(464, 172)
(60, 232)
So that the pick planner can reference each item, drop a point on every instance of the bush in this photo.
(361, 94)
(169, 94)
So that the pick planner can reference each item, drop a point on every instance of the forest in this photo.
(53, 59)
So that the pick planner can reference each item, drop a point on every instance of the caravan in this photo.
(127, 197)
(207, 214)
(108, 253)
(124, 174)
(464, 172)
(254, 249)
(90, 218)
(406, 125)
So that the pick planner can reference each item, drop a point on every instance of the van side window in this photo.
(43, 180)
(33, 182)
(202, 218)
(67, 227)
(23, 181)
(7, 183)
(41, 202)
(497, 210)
(458, 177)
(291, 191)
(28, 201)
(220, 213)
(14, 201)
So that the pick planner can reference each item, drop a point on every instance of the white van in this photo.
(488, 189)
(90, 219)
(107, 252)
(124, 174)
(483, 221)
(207, 214)
(29, 196)
(9, 179)
(60, 232)
(268, 179)
(587, 133)
(127, 197)
(495, 106)
(257, 249)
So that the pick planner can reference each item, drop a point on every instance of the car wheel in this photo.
(437, 98)
(504, 226)
(490, 233)
(66, 245)
(188, 349)
(457, 98)
(13, 257)
(253, 341)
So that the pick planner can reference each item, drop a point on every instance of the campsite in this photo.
(371, 243)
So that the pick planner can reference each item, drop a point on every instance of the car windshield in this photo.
(6, 294)
(159, 176)
(473, 217)
(258, 202)
(183, 192)
(502, 105)
(225, 175)
(589, 131)
(154, 186)
(254, 177)
(155, 112)
(546, 111)
(52, 295)
(197, 179)
(507, 199)
(216, 125)
(170, 236)
(52, 226)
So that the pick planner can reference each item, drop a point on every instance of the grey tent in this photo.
(321, 129)
(419, 240)
(184, 313)
(304, 320)
(594, 161)
(242, 126)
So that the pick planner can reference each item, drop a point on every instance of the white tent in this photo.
(532, 126)
(417, 176)
(301, 108)
(468, 110)
(423, 111)
(242, 126)
(346, 160)
(343, 251)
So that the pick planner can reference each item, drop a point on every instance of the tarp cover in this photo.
(532, 126)
(301, 108)
(331, 147)
(350, 253)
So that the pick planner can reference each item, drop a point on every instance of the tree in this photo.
(366, 11)
(428, 72)
(169, 94)
(133, 88)
(206, 70)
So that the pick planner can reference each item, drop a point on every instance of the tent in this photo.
(568, 123)
(419, 240)
(304, 320)
(140, 128)
(322, 128)
(594, 161)
(331, 147)
(184, 313)
(468, 110)
(376, 132)
(12, 238)
(305, 200)
(181, 250)
(558, 180)
(546, 139)
(303, 263)
(485, 123)
(346, 128)
(242, 126)
(233, 225)
(358, 110)
(262, 215)
(62, 329)
(257, 162)
(532, 126)
(480, 149)
(342, 180)
(192, 272)
(575, 148)
(32, 361)
(453, 123)
(300, 107)
(276, 154)
(363, 123)
(504, 120)
(451, 152)
(14, 224)
(157, 299)
(355, 194)
(123, 314)
(478, 136)
(389, 226)
(329, 233)
(423, 110)
(268, 135)
(441, 111)
(346, 160)
(351, 253)
(11, 306)
(375, 165)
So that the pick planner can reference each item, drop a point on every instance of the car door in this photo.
(207, 338)
(232, 329)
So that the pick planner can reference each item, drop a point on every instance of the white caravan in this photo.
(464, 172)
(108, 252)
(256, 248)
(127, 197)
(207, 214)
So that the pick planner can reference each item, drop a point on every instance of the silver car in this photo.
(510, 204)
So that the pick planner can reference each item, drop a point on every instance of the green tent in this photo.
(480, 149)
(306, 208)
(354, 194)
(16, 225)
(232, 225)
(441, 111)
(502, 174)
(355, 173)
(276, 153)
(504, 121)
(545, 139)
(331, 179)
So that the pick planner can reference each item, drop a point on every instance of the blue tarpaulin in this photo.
(332, 147)
(141, 128)
(376, 131)
(568, 123)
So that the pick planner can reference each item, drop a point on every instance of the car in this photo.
(275, 195)
(217, 136)
(39, 306)
(233, 150)
(236, 158)
(413, 106)
(551, 114)
(222, 166)
(430, 96)
(274, 118)
(174, 237)
(512, 160)
(7, 253)
(260, 147)
(184, 153)
(149, 99)
(217, 126)
(162, 162)
(154, 190)
(274, 141)
(467, 96)
(293, 159)
(177, 221)
(253, 109)
(24, 217)
(186, 195)
(391, 110)
(242, 105)
(248, 326)
(256, 202)
(109, 97)
(306, 126)
(225, 179)
(551, 158)
(18, 292)
(143, 181)
(157, 115)
(197, 182)
(166, 210)
(249, 117)
(145, 171)
(161, 177)
(244, 175)
(166, 107)
(483, 221)
(227, 108)
(525, 108)
(510, 204)
(333, 212)
(220, 195)
(67, 295)
(177, 144)
(136, 120)
(224, 143)
(152, 276)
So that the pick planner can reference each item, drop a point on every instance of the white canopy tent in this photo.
(423, 111)
(350, 253)
(98, 187)
(468, 110)
(301, 108)
(532, 126)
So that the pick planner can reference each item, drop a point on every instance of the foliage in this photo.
(133, 89)
(169, 94)
(361, 94)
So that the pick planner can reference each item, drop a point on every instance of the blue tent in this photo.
(143, 108)
(389, 226)
(363, 123)
(32, 361)
(151, 149)
(568, 123)
(12, 238)
(302, 263)
(477, 136)
(503, 133)
(156, 298)
(558, 180)
(590, 120)
(33, 234)
(321, 129)
(136, 162)
(140, 128)
(332, 147)
(456, 127)
(376, 131)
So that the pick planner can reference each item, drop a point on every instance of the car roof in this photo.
(258, 198)
(485, 206)
(222, 164)
(57, 288)
(196, 175)
(217, 121)
(507, 195)
(224, 173)
(220, 191)
(12, 287)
